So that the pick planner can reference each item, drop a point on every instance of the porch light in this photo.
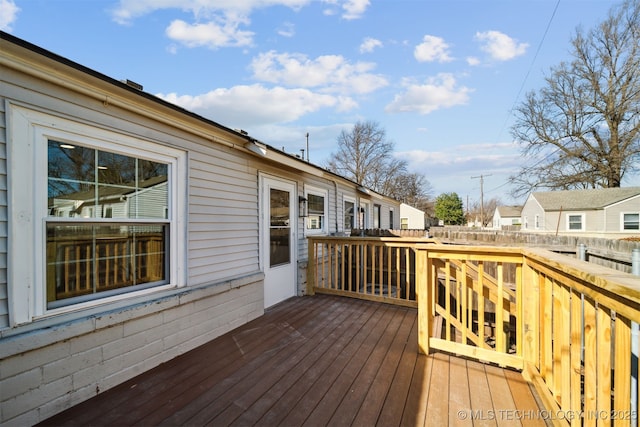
(302, 207)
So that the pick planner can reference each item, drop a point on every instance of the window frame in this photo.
(623, 223)
(315, 191)
(363, 211)
(582, 222)
(29, 131)
(354, 216)
(377, 216)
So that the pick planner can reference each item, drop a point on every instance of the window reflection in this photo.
(88, 183)
(279, 235)
(99, 257)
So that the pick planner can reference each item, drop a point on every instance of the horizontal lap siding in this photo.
(4, 307)
(223, 216)
(61, 361)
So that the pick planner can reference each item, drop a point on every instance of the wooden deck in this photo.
(316, 360)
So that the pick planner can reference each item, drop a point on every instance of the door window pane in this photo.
(279, 233)
(349, 215)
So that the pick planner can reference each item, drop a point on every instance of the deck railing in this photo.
(569, 326)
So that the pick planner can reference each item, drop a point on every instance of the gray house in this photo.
(132, 230)
(607, 211)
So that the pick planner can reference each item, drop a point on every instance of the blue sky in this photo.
(440, 76)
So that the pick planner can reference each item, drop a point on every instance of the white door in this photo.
(278, 240)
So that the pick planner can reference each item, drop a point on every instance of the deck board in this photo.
(314, 361)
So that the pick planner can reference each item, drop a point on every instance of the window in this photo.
(575, 222)
(404, 223)
(317, 210)
(95, 256)
(391, 219)
(108, 214)
(376, 216)
(349, 215)
(537, 222)
(631, 221)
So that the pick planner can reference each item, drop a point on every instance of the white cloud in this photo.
(244, 106)
(8, 14)
(354, 9)
(369, 44)
(432, 49)
(437, 93)
(500, 46)
(216, 22)
(351, 9)
(128, 10)
(330, 73)
(451, 170)
(287, 29)
(210, 35)
(473, 61)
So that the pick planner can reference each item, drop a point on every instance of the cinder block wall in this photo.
(46, 371)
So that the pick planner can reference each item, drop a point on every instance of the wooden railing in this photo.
(569, 326)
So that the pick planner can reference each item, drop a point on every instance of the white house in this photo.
(411, 218)
(505, 216)
(606, 211)
(133, 230)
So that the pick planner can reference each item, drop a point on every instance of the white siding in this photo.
(4, 307)
(41, 370)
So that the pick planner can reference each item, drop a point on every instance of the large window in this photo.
(317, 210)
(88, 253)
(106, 215)
(631, 221)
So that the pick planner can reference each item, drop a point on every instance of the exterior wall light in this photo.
(302, 207)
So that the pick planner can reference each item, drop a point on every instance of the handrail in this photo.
(566, 324)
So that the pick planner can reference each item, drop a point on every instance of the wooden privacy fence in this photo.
(569, 326)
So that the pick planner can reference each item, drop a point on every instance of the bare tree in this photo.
(365, 155)
(582, 130)
(484, 214)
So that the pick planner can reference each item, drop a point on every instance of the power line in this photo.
(535, 57)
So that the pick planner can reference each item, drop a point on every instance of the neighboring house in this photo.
(607, 211)
(132, 230)
(506, 216)
(411, 218)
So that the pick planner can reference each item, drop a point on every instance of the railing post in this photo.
(635, 350)
(424, 296)
(311, 266)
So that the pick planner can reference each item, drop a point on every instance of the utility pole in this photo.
(481, 198)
